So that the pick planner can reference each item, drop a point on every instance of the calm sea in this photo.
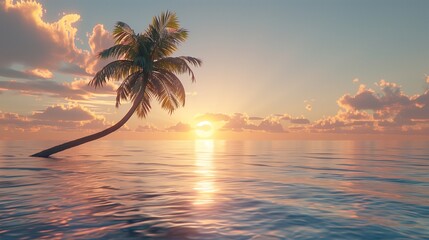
(208, 189)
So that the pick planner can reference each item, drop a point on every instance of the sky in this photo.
(278, 69)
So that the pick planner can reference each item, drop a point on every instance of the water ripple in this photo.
(217, 190)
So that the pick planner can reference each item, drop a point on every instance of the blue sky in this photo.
(271, 57)
(293, 50)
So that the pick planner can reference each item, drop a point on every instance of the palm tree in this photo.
(147, 70)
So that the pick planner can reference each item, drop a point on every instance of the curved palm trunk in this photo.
(46, 153)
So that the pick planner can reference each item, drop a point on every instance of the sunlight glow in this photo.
(204, 129)
(204, 186)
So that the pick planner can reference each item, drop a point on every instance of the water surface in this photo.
(208, 189)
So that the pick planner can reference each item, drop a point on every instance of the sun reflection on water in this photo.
(204, 186)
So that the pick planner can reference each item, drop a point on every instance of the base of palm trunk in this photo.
(48, 152)
(41, 154)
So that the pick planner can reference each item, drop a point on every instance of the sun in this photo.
(204, 129)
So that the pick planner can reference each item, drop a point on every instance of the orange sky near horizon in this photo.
(58, 136)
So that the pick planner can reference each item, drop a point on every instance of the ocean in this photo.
(214, 189)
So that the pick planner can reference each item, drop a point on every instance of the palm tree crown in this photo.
(145, 66)
(147, 70)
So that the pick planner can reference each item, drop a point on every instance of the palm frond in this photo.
(115, 70)
(144, 106)
(118, 51)
(168, 90)
(178, 65)
(169, 42)
(145, 65)
(171, 81)
(144, 45)
(124, 34)
(157, 89)
(164, 20)
(166, 35)
(126, 87)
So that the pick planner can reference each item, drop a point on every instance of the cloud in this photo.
(82, 84)
(308, 104)
(179, 127)
(284, 117)
(41, 73)
(13, 121)
(256, 118)
(212, 117)
(299, 121)
(242, 122)
(64, 113)
(34, 43)
(147, 128)
(419, 110)
(390, 111)
(355, 80)
(99, 40)
(346, 122)
(239, 122)
(329, 123)
(12, 73)
(391, 96)
(364, 99)
(270, 125)
(76, 90)
(353, 115)
(98, 123)
(45, 87)
(293, 120)
(58, 117)
(34, 48)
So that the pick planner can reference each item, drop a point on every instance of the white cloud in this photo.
(41, 48)
(179, 127)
